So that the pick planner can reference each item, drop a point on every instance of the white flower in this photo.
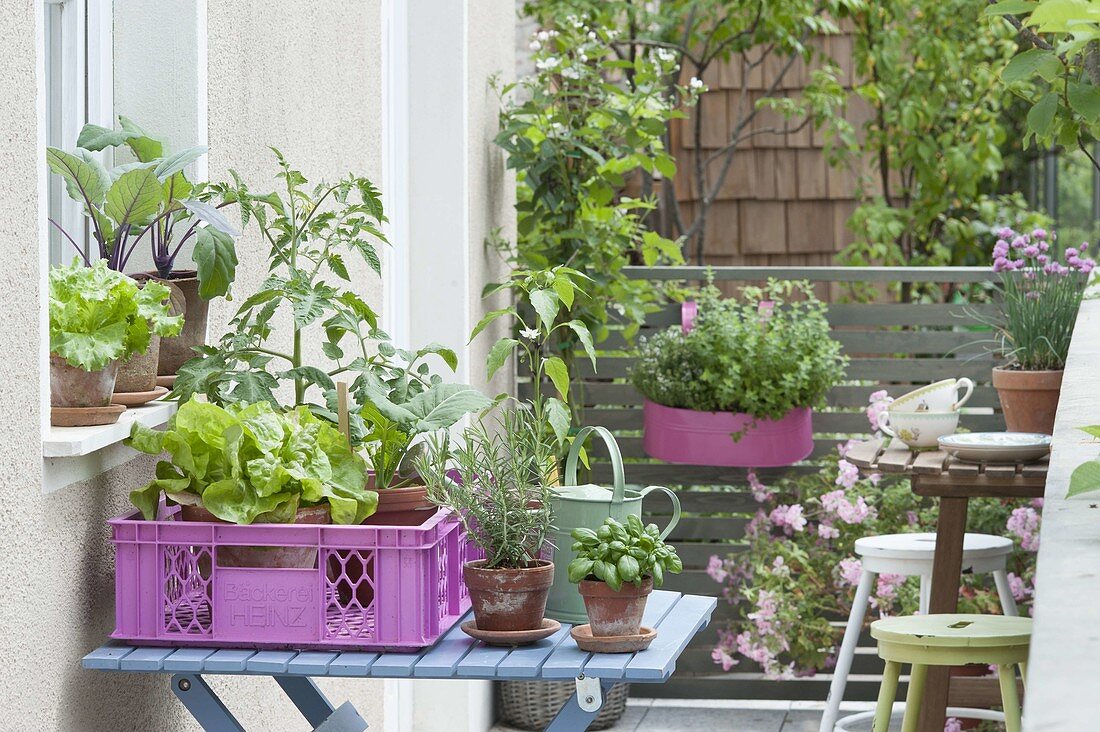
(697, 84)
(591, 35)
(570, 73)
(582, 56)
(548, 64)
(529, 333)
(535, 45)
(666, 54)
(542, 36)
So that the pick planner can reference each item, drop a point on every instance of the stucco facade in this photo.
(305, 76)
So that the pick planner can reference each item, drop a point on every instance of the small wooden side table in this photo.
(935, 473)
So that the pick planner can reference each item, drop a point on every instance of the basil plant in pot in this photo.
(152, 202)
(247, 464)
(99, 318)
(741, 378)
(496, 478)
(1040, 299)
(617, 566)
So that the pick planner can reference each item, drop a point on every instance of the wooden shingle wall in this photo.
(782, 203)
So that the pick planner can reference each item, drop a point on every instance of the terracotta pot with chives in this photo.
(1042, 293)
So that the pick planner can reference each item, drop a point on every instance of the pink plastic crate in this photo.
(372, 587)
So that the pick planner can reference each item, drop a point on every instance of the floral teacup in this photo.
(919, 430)
(943, 396)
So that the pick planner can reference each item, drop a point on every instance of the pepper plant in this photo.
(618, 553)
(310, 230)
(150, 200)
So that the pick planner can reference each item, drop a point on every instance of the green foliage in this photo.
(576, 134)
(98, 315)
(1058, 71)
(740, 358)
(249, 464)
(616, 554)
(688, 38)
(497, 480)
(549, 333)
(394, 426)
(932, 141)
(148, 200)
(1086, 476)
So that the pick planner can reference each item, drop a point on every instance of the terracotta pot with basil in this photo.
(1041, 294)
(489, 480)
(616, 567)
(98, 319)
(224, 442)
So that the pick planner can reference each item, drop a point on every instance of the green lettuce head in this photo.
(98, 315)
(253, 464)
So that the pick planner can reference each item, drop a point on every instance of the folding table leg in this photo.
(318, 710)
(571, 718)
(204, 705)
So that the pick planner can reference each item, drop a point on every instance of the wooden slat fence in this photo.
(892, 346)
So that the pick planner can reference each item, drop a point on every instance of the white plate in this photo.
(997, 447)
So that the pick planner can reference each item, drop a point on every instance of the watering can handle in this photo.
(613, 451)
(675, 506)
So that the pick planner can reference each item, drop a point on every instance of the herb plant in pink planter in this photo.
(739, 387)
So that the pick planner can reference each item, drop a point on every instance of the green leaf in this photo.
(1093, 430)
(579, 569)
(95, 138)
(145, 148)
(1040, 118)
(488, 319)
(545, 303)
(1011, 7)
(86, 180)
(559, 417)
(215, 258)
(175, 163)
(437, 407)
(135, 198)
(145, 439)
(628, 568)
(176, 188)
(498, 354)
(447, 354)
(585, 338)
(565, 289)
(311, 375)
(211, 215)
(1084, 479)
(1024, 65)
(559, 374)
(665, 165)
(1084, 98)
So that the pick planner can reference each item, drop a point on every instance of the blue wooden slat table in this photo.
(676, 617)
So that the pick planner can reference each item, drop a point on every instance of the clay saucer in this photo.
(137, 398)
(167, 381)
(85, 416)
(511, 637)
(582, 634)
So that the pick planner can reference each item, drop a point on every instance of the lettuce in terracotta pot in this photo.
(99, 318)
(249, 464)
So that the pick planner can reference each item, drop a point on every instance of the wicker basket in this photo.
(533, 704)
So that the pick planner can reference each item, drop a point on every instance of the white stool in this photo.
(910, 555)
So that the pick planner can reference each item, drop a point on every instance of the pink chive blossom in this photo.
(1024, 525)
(1000, 249)
(1071, 252)
(1039, 233)
(1031, 251)
(849, 571)
(760, 492)
(1005, 232)
(911, 518)
(848, 474)
(952, 725)
(1018, 586)
(716, 568)
(789, 518)
(1019, 242)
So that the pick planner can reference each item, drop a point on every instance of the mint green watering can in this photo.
(588, 505)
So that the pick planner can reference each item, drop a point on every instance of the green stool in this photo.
(948, 640)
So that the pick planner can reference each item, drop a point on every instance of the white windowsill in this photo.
(74, 454)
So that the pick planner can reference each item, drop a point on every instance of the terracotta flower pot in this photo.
(140, 372)
(407, 506)
(1029, 398)
(612, 613)
(508, 599)
(285, 557)
(186, 302)
(73, 387)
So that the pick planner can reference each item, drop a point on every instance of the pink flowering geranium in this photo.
(1024, 525)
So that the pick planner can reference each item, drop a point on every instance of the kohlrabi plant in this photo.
(148, 201)
(311, 230)
(252, 463)
(618, 553)
(98, 315)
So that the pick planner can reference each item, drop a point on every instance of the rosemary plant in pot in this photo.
(248, 464)
(496, 479)
(151, 201)
(737, 385)
(98, 319)
(616, 567)
(1040, 300)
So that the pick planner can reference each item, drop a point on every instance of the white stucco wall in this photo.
(304, 76)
